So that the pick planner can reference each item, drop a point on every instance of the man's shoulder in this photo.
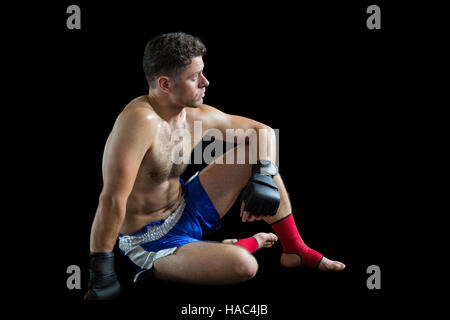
(203, 111)
(138, 110)
(206, 108)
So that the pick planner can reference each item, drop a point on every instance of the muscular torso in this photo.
(157, 191)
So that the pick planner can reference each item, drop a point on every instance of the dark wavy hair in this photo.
(170, 53)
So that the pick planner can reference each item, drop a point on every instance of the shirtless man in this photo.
(159, 219)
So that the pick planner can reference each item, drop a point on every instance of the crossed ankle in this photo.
(251, 244)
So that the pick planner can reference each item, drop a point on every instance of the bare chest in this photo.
(169, 154)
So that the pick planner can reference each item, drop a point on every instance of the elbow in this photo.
(266, 129)
(270, 130)
(113, 203)
(266, 133)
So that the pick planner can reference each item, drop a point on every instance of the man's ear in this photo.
(164, 83)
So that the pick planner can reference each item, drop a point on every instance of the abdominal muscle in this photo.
(153, 203)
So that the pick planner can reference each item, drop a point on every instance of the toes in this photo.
(329, 265)
(336, 265)
(230, 241)
(274, 237)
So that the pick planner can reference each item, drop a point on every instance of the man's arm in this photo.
(213, 118)
(261, 197)
(127, 144)
(130, 139)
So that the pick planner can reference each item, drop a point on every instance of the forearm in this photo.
(107, 222)
(266, 144)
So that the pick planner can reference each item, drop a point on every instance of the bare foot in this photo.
(230, 241)
(294, 260)
(265, 240)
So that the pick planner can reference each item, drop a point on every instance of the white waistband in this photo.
(126, 243)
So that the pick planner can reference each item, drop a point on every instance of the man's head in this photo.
(173, 64)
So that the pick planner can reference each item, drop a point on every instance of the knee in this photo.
(242, 154)
(245, 265)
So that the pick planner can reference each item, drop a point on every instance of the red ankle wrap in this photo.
(291, 241)
(248, 243)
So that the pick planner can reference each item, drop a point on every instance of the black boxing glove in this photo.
(261, 196)
(103, 283)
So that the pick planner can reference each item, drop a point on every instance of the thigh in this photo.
(223, 182)
(207, 263)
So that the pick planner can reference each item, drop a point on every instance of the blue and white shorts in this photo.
(195, 217)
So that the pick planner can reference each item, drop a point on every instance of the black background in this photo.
(335, 90)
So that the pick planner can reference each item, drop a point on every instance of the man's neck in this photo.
(165, 110)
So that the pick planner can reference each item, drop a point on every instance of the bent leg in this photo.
(223, 182)
(207, 263)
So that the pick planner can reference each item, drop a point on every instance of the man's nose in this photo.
(205, 81)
